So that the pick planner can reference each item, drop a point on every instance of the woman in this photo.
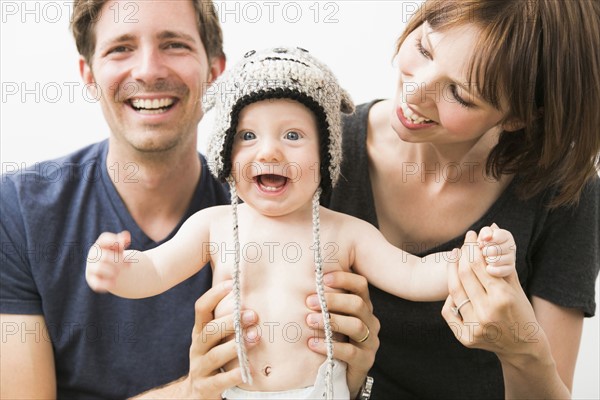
(495, 120)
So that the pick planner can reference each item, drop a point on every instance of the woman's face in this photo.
(434, 101)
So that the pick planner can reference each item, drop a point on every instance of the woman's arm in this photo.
(562, 327)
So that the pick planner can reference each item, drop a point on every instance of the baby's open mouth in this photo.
(271, 182)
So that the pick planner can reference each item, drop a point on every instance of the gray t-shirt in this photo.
(558, 258)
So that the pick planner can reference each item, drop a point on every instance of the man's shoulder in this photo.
(50, 179)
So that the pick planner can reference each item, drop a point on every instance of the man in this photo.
(58, 337)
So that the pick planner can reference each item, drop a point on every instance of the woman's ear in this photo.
(512, 124)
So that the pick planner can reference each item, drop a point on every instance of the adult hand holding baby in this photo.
(493, 313)
(208, 355)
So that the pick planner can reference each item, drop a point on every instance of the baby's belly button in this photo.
(284, 368)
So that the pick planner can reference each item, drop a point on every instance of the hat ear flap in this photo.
(347, 105)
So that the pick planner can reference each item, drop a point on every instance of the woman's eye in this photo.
(248, 136)
(422, 49)
(292, 135)
(458, 98)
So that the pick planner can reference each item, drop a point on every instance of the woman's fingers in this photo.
(471, 269)
(500, 271)
(453, 320)
(457, 297)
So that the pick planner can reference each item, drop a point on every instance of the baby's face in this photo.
(275, 156)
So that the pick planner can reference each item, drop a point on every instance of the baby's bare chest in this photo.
(276, 273)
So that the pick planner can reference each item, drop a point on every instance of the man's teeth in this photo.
(408, 113)
(153, 106)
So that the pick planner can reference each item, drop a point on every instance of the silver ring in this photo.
(456, 310)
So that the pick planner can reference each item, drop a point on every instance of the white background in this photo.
(45, 112)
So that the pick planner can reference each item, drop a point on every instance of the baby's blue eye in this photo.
(292, 135)
(248, 136)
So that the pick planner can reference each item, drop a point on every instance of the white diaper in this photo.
(318, 391)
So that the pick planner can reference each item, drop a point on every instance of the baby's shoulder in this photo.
(343, 222)
(207, 217)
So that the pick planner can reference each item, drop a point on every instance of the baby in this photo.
(277, 142)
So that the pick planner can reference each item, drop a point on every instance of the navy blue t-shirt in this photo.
(104, 346)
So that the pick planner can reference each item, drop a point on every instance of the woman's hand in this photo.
(352, 316)
(498, 316)
(494, 314)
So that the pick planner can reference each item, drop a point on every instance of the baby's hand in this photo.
(106, 259)
(499, 249)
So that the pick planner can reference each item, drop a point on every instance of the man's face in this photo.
(150, 70)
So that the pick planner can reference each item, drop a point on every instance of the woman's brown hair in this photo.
(542, 57)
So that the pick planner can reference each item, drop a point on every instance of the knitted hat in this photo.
(279, 73)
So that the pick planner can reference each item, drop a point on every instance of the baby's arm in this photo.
(423, 279)
(396, 271)
(135, 274)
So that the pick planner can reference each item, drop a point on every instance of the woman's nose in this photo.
(422, 87)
